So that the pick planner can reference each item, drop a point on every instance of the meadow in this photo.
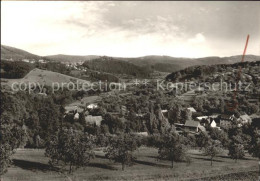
(32, 165)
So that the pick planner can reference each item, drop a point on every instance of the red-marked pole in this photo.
(233, 107)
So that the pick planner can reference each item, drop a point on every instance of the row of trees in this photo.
(74, 148)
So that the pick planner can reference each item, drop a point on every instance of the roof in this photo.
(92, 106)
(201, 117)
(73, 108)
(94, 119)
(191, 109)
(202, 128)
(226, 116)
(245, 117)
(141, 133)
(192, 124)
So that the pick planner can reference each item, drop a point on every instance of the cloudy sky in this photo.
(132, 29)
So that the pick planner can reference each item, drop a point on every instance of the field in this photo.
(31, 165)
(44, 77)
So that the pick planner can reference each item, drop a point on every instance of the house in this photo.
(245, 119)
(42, 61)
(141, 133)
(193, 126)
(178, 126)
(191, 109)
(164, 113)
(209, 122)
(26, 60)
(92, 106)
(76, 116)
(140, 114)
(123, 110)
(73, 109)
(225, 120)
(93, 120)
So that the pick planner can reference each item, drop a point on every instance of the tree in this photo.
(70, 147)
(121, 149)
(220, 135)
(213, 149)
(11, 137)
(255, 146)
(171, 147)
(202, 139)
(236, 151)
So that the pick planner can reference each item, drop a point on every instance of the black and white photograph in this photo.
(130, 91)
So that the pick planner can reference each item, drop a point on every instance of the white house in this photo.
(93, 120)
(76, 116)
(141, 133)
(92, 106)
(213, 124)
(42, 61)
(191, 109)
(245, 119)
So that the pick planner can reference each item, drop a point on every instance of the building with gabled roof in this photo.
(193, 126)
(93, 120)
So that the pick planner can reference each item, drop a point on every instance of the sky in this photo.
(132, 28)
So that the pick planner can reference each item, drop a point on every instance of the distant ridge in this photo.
(153, 62)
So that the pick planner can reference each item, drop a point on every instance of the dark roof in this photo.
(192, 124)
(226, 116)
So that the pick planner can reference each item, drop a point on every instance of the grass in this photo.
(44, 77)
(32, 165)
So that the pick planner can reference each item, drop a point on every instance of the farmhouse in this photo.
(92, 106)
(191, 109)
(225, 120)
(141, 133)
(76, 116)
(73, 109)
(93, 120)
(245, 119)
(209, 122)
(193, 126)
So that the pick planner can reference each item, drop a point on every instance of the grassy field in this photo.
(31, 165)
(44, 77)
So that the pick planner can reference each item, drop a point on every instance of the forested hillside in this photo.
(111, 65)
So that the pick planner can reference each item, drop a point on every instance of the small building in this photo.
(193, 126)
(225, 120)
(191, 109)
(92, 106)
(76, 116)
(42, 61)
(245, 119)
(141, 133)
(123, 110)
(73, 109)
(93, 120)
(208, 122)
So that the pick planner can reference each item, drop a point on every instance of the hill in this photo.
(116, 66)
(71, 58)
(11, 53)
(141, 64)
(205, 71)
(43, 77)
(166, 62)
